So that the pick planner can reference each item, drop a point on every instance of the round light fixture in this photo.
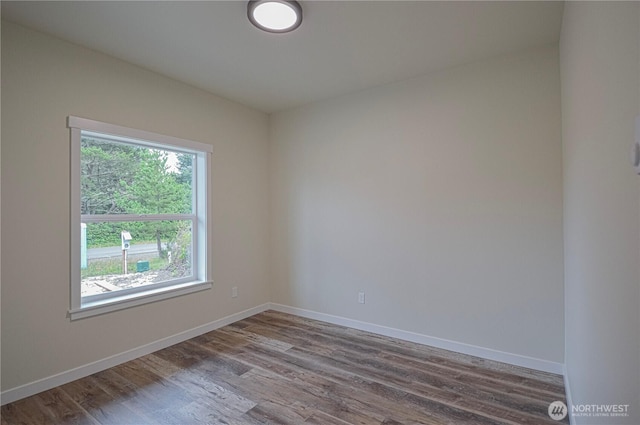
(275, 15)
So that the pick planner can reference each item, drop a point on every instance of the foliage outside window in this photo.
(139, 228)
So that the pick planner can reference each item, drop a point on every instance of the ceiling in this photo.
(341, 46)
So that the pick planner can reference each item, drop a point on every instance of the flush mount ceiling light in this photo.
(275, 15)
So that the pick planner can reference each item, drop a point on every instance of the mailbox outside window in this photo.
(126, 239)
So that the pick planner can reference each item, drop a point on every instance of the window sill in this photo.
(139, 298)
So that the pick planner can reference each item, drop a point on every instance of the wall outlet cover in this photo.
(361, 297)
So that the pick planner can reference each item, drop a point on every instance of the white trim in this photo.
(133, 299)
(459, 347)
(62, 378)
(103, 218)
(126, 134)
(203, 241)
(82, 307)
(148, 289)
(74, 216)
(567, 391)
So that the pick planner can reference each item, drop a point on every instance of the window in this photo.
(139, 226)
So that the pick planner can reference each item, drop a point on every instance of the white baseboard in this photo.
(567, 391)
(459, 347)
(62, 378)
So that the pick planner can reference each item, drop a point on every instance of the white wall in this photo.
(43, 81)
(440, 197)
(600, 71)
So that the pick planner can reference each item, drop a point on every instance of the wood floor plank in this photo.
(129, 394)
(535, 411)
(223, 403)
(26, 411)
(523, 408)
(448, 389)
(371, 343)
(321, 418)
(301, 384)
(150, 397)
(274, 368)
(99, 405)
(375, 396)
(284, 321)
(61, 409)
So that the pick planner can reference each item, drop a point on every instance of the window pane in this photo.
(155, 251)
(120, 178)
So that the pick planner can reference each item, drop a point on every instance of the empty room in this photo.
(320, 212)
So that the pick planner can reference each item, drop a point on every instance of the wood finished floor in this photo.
(275, 368)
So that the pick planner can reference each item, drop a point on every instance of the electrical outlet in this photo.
(361, 297)
(234, 292)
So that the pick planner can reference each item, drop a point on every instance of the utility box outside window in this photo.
(142, 266)
(126, 240)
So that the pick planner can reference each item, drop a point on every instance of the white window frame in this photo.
(201, 228)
